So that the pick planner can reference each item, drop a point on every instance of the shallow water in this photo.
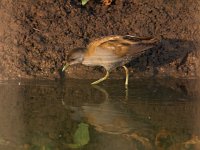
(150, 115)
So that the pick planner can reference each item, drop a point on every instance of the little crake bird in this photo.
(110, 52)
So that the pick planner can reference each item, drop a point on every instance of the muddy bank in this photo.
(35, 36)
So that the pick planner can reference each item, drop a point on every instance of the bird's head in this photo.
(75, 56)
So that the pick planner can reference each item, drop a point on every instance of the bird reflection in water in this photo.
(112, 118)
(118, 119)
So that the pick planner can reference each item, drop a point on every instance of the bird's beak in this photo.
(65, 67)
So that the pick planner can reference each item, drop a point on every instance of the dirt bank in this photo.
(35, 36)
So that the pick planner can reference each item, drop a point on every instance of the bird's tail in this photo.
(140, 44)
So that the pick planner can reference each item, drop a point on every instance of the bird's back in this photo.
(113, 51)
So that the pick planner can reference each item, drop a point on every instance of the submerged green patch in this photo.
(81, 136)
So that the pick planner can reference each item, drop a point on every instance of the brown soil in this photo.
(35, 36)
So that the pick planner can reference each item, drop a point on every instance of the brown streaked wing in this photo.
(92, 46)
(122, 46)
(118, 47)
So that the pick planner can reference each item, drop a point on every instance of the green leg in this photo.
(126, 82)
(102, 79)
(103, 91)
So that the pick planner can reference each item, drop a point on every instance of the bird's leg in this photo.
(102, 79)
(103, 91)
(126, 82)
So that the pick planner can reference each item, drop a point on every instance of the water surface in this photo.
(48, 115)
